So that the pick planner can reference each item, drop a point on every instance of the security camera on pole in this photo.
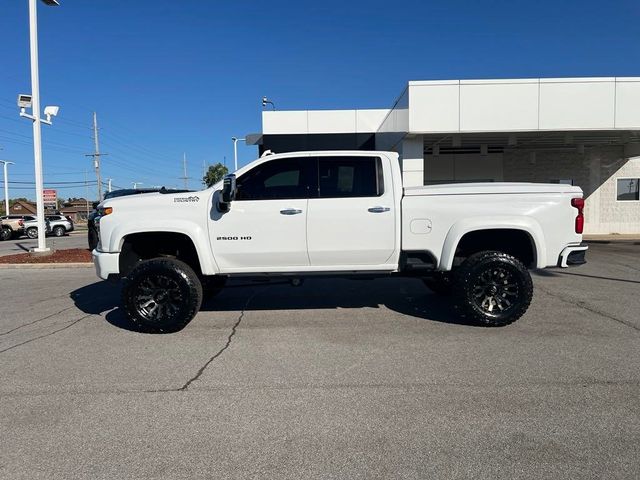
(33, 101)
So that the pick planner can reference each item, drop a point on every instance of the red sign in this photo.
(50, 196)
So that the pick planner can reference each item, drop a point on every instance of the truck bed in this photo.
(489, 188)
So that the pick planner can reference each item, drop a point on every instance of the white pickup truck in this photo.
(337, 213)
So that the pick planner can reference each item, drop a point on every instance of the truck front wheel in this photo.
(161, 295)
(493, 288)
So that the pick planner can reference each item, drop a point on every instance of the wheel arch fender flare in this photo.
(198, 236)
(462, 227)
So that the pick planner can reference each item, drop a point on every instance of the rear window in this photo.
(350, 177)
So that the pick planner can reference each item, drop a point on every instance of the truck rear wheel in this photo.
(5, 233)
(493, 288)
(162, 295)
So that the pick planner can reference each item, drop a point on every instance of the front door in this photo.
(352, 221)
(265, 227)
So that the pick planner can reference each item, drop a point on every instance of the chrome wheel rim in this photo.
(496, 291)
(158, 297)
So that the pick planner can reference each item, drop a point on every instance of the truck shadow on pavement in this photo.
(405, 296)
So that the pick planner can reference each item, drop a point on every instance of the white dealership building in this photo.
(584, 131)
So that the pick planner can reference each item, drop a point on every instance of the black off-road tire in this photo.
(212, 285)
(5, 234)
(161, 295)
(59, 231)
(92, 238)
(492, 288)
(440, 283)
(32, 232)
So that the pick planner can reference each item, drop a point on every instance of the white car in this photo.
(342, 214)
(31, 227)
(60, 224)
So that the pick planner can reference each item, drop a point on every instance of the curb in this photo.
(47, 266)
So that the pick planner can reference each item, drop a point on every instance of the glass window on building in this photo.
(628, 189)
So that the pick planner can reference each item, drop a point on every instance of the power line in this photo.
(50, 183)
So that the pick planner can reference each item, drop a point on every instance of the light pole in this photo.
(235, 151)
(6, 163)
(37, 134)
(266, 101)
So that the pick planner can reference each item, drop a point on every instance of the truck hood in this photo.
(489, 188)
(155, 198)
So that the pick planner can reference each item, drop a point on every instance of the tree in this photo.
(215, 173)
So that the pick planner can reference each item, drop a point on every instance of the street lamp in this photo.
(33, 100)
(235, 151)
(6, 163)
(266, 101)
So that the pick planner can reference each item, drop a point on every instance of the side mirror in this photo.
(229, 188)
(228, 193)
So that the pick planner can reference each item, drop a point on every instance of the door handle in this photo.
(379, 209)
(290, 211)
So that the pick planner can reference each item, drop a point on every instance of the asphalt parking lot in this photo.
(77, 239)
(334, 379)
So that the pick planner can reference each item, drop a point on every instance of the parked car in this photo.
(341, 214)
(31, 227)
(11, 228)
(60, 224)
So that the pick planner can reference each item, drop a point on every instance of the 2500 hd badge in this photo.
(234, 238)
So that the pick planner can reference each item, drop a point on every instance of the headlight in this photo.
(103, 211)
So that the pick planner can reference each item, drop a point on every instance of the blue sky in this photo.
(168, 77)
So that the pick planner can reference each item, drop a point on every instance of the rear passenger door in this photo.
(352, 221)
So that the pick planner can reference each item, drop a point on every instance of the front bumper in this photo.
(106, 263)
(573, 256)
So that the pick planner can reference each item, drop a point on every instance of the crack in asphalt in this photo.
(202, 369)
(584, 306)
(46, 335)
(36, 321)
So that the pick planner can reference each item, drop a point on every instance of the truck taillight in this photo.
(579, 204)
(21, 222)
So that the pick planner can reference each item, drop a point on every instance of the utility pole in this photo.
(6, 163)
(185, 177)
(96, 156)
(86, 183)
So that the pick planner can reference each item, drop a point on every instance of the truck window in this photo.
(350, 177)
(286, 178)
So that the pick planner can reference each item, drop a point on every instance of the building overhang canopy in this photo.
(540, 111)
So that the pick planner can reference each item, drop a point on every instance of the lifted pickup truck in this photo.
(342, 213)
